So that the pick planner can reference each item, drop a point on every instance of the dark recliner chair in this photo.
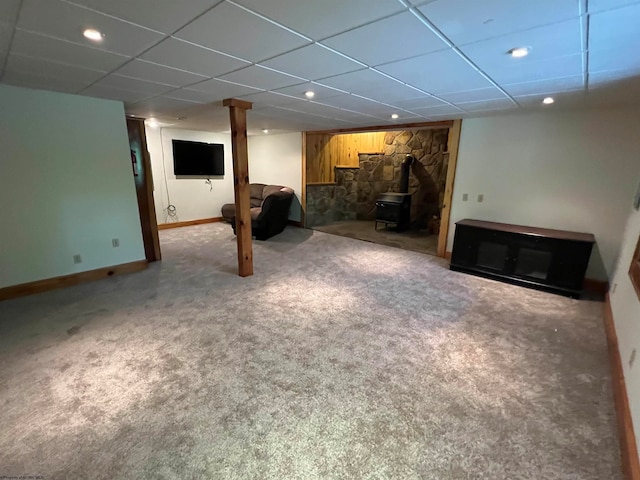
(270, 206)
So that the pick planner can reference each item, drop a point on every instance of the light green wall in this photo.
(568, 170)
(66, 186)
(625, 305)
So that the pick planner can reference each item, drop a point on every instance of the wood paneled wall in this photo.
(325, 151)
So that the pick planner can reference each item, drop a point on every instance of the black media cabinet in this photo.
(550, 260)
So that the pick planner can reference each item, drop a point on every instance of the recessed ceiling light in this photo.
(309, 94)
(93, 34)
(394, 115)
(548, 101)
(519, 52)
(265, 130)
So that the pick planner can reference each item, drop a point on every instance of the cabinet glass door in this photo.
(492, 255)
(533, 263)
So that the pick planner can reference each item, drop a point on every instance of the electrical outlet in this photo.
(115, 242)
(480, 198)
(465, 197)
(77, 259)
(632, 358)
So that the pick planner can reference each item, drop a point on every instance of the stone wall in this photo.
(354, 194)
(381, 173)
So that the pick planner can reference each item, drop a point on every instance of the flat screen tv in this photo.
(198, 158)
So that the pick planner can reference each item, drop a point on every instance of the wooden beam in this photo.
(390, 128)
(303, 197)
(445, 216)
(238, 116)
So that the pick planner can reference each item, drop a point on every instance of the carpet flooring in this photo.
(338, 359)
(415, 240)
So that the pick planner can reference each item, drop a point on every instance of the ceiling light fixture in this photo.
(548, 101)
(394, 115)
(265, 130)
(309, 94)
(519, 52)
(93, 34)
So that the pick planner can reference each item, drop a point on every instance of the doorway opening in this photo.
(389, 187)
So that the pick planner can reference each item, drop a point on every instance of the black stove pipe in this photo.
(405, 169)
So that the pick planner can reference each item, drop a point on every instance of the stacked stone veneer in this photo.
(356, 189)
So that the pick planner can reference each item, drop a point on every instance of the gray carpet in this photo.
(338, 359)
(416, 240)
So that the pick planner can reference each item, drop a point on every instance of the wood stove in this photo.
(395, 209)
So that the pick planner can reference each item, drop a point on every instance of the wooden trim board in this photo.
(628, 447)
(47, 284)
(188, 223)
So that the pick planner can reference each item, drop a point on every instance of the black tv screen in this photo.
(198, 158)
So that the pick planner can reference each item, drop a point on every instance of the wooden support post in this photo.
(445, 215)
(238, 115)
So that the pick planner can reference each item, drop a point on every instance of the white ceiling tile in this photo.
(9, 10)
(269, 99)
(357, 104)
(472, 95)
(487, 105)
(152, 72)
(420, 102)
(134, 85)
(362, 81)
(261, 78)
(5, 36)
(319, 20)
(439, 110)
(219, 90)
(257, 40)
(438, 72)
(189, 95)
(162, 15)
(624, 58)
(572, 82)
(158, 105)
(561, 100)
(600, 5)
(110, 93)
(319, 90)
(386, 40)
(615, 28)
(464, 21)
(30, 80)
(312, 62)
(33, 45)
(285, 120)
(314, 108)
(66, 21)
(192, 58)
(551, 41)
(45, 69)
(611, 78)
(570, 65)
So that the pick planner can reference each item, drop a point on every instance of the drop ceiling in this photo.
(424, 60)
